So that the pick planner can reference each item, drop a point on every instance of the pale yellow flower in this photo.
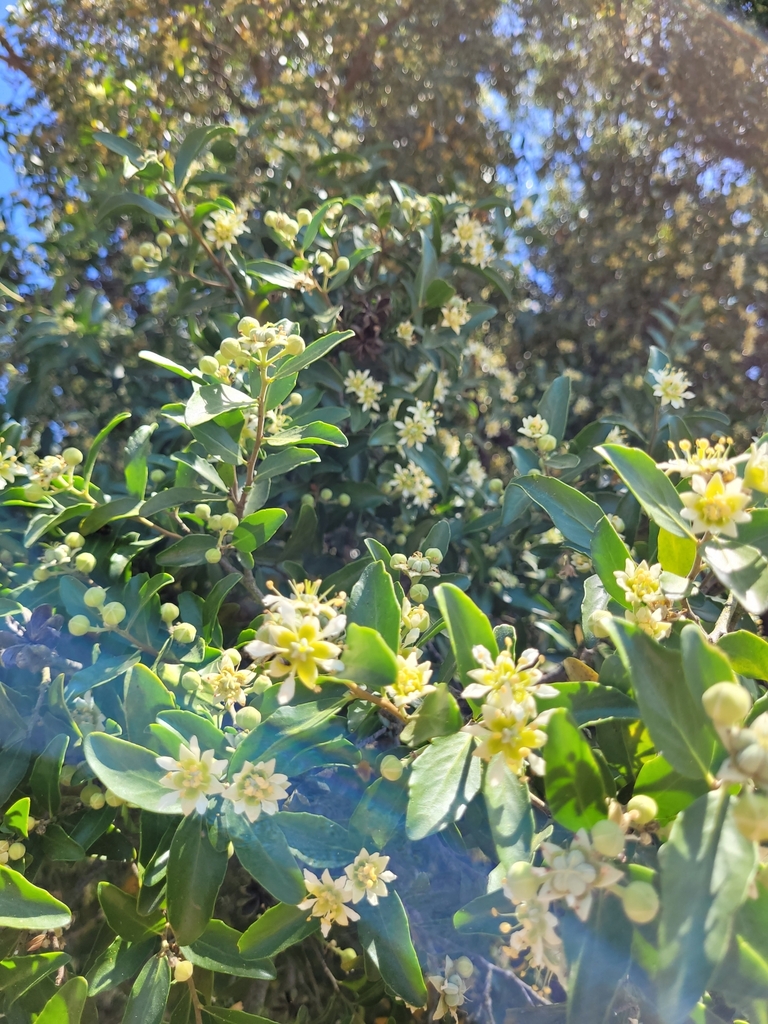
(225, 227)
(193, 777)
(507, 731)
(229, 685)
(406, 333)
(534, 427)
(455, 314)
(327, 899)
(367, 876)
(412, 681)
(715, 506)
(256, 788)
(451, 987)
(366, 389)
(671, 387)
(292, 646)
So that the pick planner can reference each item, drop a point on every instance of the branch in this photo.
(12, 58)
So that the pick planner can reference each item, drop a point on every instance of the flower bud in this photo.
(752, 759)
(419, 593)
(521, 883)
(435, 555)
(294, 345)
(326, 494)
(138, 263)
(16, 851)
(398, 561)
(157, 476)
(74, 540)
(324, 261)
(303, 217)
(209, 364)
(247, 324)
(31, 823)
(79, 625)
(230, 348)
(495, 485)
(33, 492)
(391, 768)
(97, 801)
(229, 522)
(247, 718)
(169, 613)
(642, 809)
(87, 792)
(598, 623)
(113, 613)
(183, 971)
(342, 265)
(72, 456)
(213, 556)
(756, 470)
(190, 680)
(163, 239)
(270, 218)
(307, 499)
(203, 512)
(727, 704)
(641, 902)
(112, 799)
(184, 633)
(94, 597)
(214, 523)
(546, 443)
(344, 500)
(464, 967)
(608, 838)
(40, 574)
(146, 249)
(295, 399)
(750, 815)
(85, 562)
(234, 655)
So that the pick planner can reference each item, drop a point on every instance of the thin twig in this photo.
(195, 1001)
(533, 997)
(158, 529)
(724, 619)
(386, 705)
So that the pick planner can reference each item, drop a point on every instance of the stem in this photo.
(724, 619)
(45, 682)
(195, 1001)
(247, 581)
(136, 643)
(158, 529)
(386, 705)
(250, 470)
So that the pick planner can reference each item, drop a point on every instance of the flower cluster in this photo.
(412, 682)
(296, 638)
(455, 314)
(265, 342)
(473, 237)
(451, 986)
(364, 878)
(366, 389)
(651, 609)
(671, 386)
(225, 227)
(413, 430)
(411, 483)
(229, 684)
(509, 724)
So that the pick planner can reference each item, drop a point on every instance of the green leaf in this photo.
(747, 653)
(118, 963)
(14, 760)
(316, 840)
(467, 627)
(211, 400)
(44, 780)
(123, 147)
(58, 846)
(672, 712)
(41, 524)
(146, 1002)
(17, 816)
(26, 907)
(195, 873)
(553, 406)
(99, 440)
(136, 452)
(285, 462)
(676, 554)
(481, 916)
(703, 664)
(273, 273)
(672, 791)
(220, 1015)
(123, 917)
(508, 804)
(103, 514)
(168, 364)
(741, 563)
(373, 603)
(173, 497)
(190, 550)
(590, 702)
(706, 869)
(124, 202)
(444, 778)
(311, 353)
(609, 555)
(602, 963)
(368, 661)
(264, 852)
(21, 973)
(427, 271)
(438, 293)
(145, 698)
(381, 811)
(264, 524)
(654, 491)
(438, 715)
(315, 432)
(573, 513)
(128, 770)
(217, 950)
(67, 1004)
(277, 929)
(386, 939)
(194, 143)
(202, 468)
(573, 781)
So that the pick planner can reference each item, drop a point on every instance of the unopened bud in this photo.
(247, 718)
(546, 443)
(97, 801)
(294, 345)
(94, 597)
(599, 622)
(324, 261)
(307, 499)
(727, 704)
(230, 348)
(33, 492)
(750, 814)
(146, 249)
(326, 494)
(398, 561)
(213, 556)
(521, 883)
(344, 500)
(435, 555)
(191, 680)
(72, 456)
(40, 574)
(214, 523)
(203, 512)
(163, 239)
(342, 265)
(209, 364)
(756, 470)
(608, 838)
(303, 217)
(112, 799)
(157, 476)
(419, 593)
(247, 324)
(295, 399)
(85, 562)
(495, 485)
(183, 971)
(138, 263)
(113, 613)
(641, 902)
(16, 851)
(184, 633)
(391, 768)
(752, 759)
(642, 809)
(79, 625)
(74, 540)
(169, 612)
(464, 967)
(229, 522)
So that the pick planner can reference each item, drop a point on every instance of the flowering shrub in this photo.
(461, 742)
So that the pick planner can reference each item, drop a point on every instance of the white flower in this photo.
(640, 582)
(703, 460)
(451, 987)
(671, 387)
(476, 472)
(534, 427)
(228, 686)
(344, 138)
(405, 333)
(256, 788)
(87, 715)
(537, 938)
(455, 314)
(715, 506)
(193, 777)
(224, 227)
(365, 388)
(509, 731)
(367, 876)
(10, 467)
(412, 484)
(573, 874)
(413, 430)
(412, 681)
(327, 898)
(520, 680)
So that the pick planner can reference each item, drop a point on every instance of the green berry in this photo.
(213, 556)
(72, 456)
(294, 345)
(74, 540)
(79, 625)
(344, 500)
(16, 851)
(94, 597)
(248, 718)
(307, 499)
(391, 768)
(727, 704)
(184, 633)
(342, 265)
(169, 613)
(85, 562)
(419, 593)
(113, 613)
